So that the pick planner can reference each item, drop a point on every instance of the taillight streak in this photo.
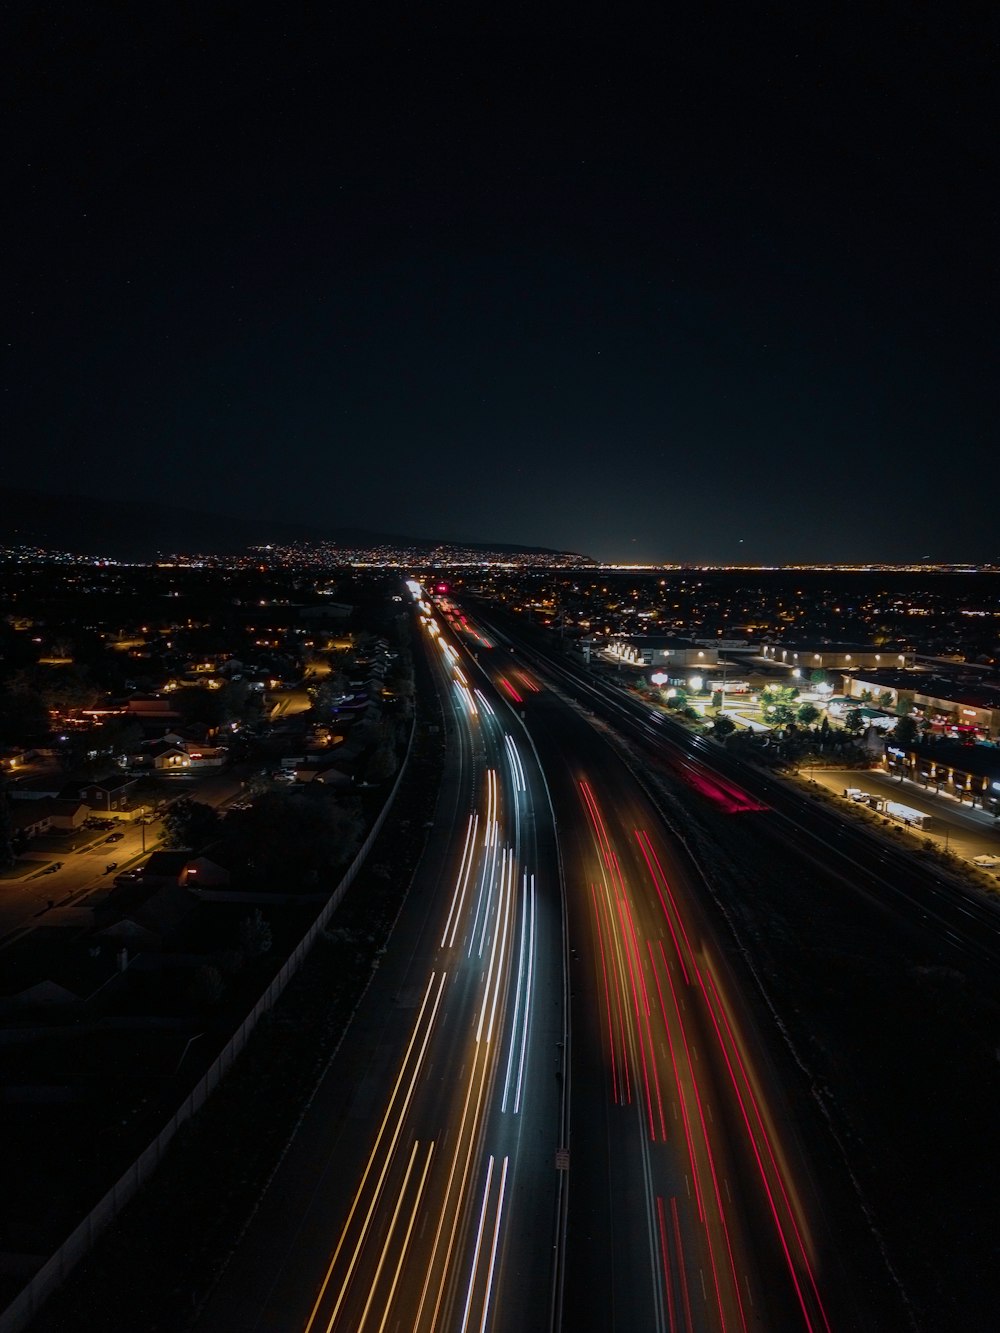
(760, 1164)
(711, 1166)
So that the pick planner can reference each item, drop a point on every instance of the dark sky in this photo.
(717, 284)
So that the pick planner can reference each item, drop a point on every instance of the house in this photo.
(327, 611)
(202, 872)
(155, 710)
(109, 795)
(664, 650)
(168, 756)
(164, 868)
(67, 815)
(325, 769)
(30, 818)
(164, 911)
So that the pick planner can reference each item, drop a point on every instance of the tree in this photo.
(253, 937)
(904, 734)
(807, 714)
(207, 987)
(854, 721)
(777, 704)
(24, 716)
(292, 838)
(779, 714)
(327, 691)
(190, 824)
(8, 853)
(381, 764)
(722, 727)
(213, 707)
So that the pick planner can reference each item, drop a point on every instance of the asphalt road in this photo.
(870, 975)
(421, 1189)
(684, 1208)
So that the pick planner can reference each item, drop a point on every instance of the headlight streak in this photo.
(485, 703)
(499, 937)
(516, 767)
(412, 1225)
(488, 877)
(493, 1248)
(375, 1149)
(464, 1143)
(462, 883)
(525, 972)
(463, 693)
(470, 1287)
(388, 1237)
(406, 1242)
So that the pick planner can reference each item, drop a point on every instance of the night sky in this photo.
(718, 284)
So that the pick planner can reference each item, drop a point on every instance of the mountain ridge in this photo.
(142, 530)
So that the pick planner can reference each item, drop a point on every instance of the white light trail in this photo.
(514, 758)
(485, 702)
(493, 1249)
(479, 1242)
(461, 884)
(525, 980)
(494, 977)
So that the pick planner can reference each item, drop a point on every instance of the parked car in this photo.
(127, 877)
(114, 837)
(987, 862)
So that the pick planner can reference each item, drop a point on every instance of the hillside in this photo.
(133, 530)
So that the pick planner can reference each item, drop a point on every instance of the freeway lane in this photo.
(683, 1214)
(421, 1189)
(871, 976)
(718, 1222)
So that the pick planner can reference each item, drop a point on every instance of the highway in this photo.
(483, 1155)
(684, 1213)
(421, 1191)
(869, 975)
